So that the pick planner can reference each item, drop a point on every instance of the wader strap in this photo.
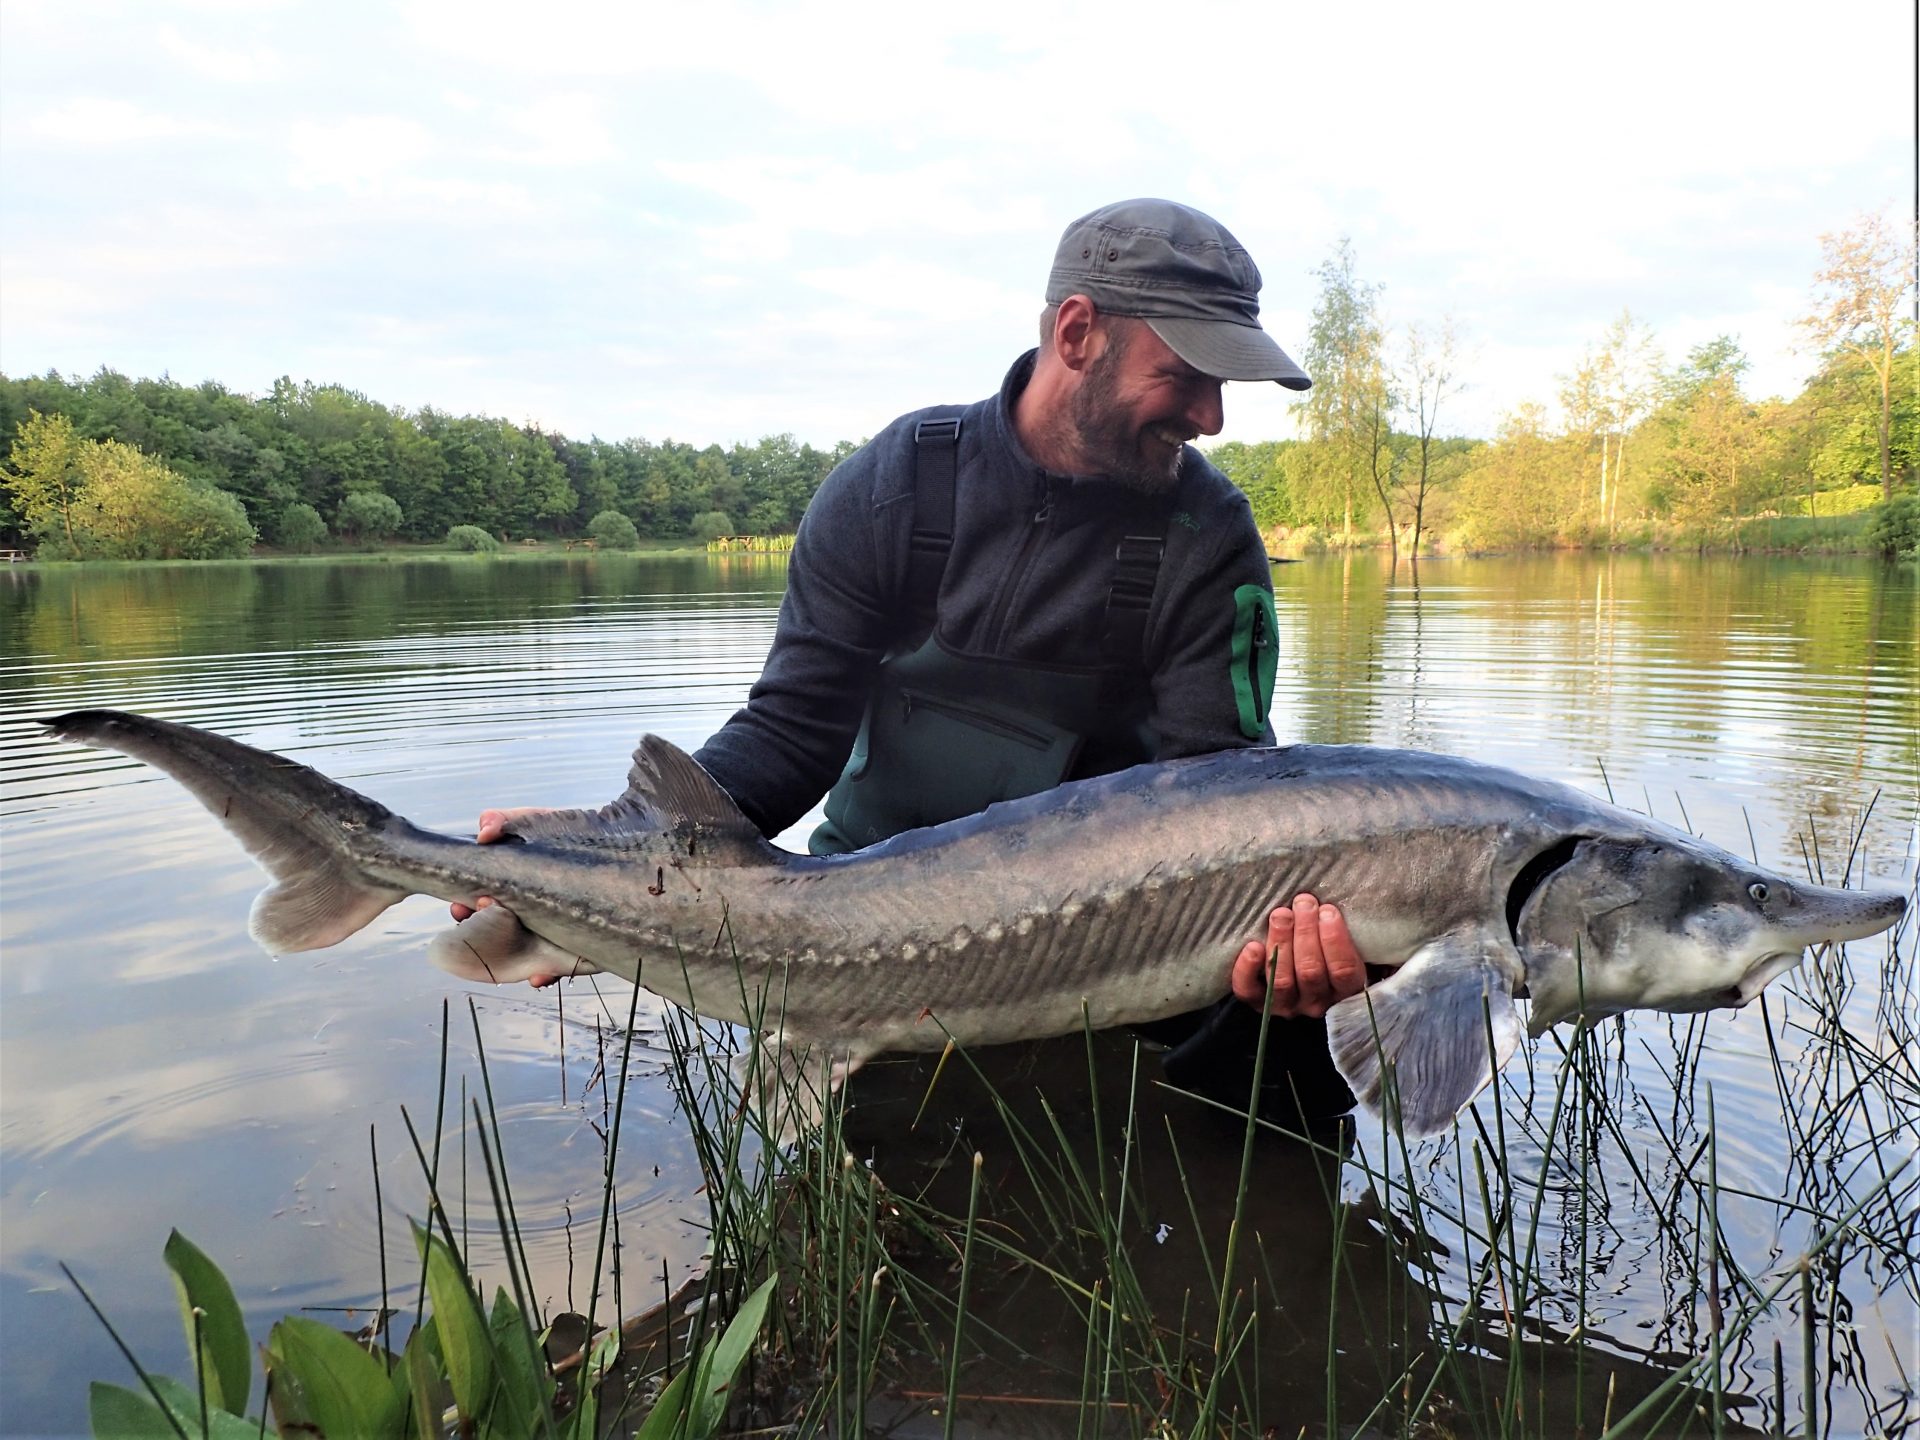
(936, 455)
(1136, 571)
(936, 458)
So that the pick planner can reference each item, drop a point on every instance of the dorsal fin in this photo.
(670, 806)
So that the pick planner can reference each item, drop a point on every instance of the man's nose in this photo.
(1206, 413)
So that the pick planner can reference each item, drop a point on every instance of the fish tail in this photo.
(305, 830)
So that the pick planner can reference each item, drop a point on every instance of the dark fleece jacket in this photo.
(1027, 581)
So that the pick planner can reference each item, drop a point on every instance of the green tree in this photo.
(368, 515)
(44, 478)
(1428, 376)
(1860, 298)
(132, 507)
(299, 527)
(1608, 395)
(1517, 490)
(1709, 447)
(711, 524)
(769, 517)
(1349, 384)
(471, 538)
(1264, 471)
(612, 531)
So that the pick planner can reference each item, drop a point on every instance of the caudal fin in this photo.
(298, 825)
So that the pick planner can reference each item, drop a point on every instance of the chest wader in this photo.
(947, 735)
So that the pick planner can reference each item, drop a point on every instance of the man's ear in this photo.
(1077, 338)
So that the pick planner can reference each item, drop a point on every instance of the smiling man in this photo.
(1052, 583)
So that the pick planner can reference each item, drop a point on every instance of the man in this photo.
(1052, 583)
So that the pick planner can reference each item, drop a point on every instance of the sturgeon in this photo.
(1115, 900)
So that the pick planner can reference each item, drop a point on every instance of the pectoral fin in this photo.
(493, 946)
(1427, 1023)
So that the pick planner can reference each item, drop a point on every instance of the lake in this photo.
(157, 1071)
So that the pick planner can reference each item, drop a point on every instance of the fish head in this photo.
(1669, 923)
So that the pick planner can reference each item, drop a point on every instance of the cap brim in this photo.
(1229, 351)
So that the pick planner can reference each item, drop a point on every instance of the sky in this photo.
(720, 221)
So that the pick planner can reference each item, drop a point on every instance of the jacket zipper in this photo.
(914, 700)
(1029, 547)
(1260, 642)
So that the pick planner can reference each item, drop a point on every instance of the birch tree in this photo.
(1427, 377)
(1344, 358)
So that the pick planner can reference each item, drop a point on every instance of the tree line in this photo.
(1637, 447)
(114, 467)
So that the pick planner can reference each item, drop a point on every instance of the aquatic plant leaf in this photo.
(521, 1373)
(426, 1385)
(584, 1421)
(114, 1411)
(225, 1358)
(670, 1412)
(462, 1328)
(720, 1363)
(346, 1392)
(131, 1414)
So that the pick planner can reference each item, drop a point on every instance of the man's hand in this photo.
(1307, 963)
(493, 825)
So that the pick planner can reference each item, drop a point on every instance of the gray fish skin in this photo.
(1114, 900)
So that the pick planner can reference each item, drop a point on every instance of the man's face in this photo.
(1137, 405)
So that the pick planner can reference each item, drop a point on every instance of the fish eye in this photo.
(1758, 891)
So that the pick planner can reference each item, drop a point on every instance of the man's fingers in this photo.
(1309, 961)
(1308, 964)
(493, 827)
(461, 912)
(1250, 973)
(1346, 972)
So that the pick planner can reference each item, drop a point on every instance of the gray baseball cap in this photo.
(1182, 273)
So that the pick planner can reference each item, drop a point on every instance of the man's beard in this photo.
(1107, 441)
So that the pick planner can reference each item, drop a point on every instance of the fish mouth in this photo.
(1763, 973)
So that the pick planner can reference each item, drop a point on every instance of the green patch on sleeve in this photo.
(1256, 656)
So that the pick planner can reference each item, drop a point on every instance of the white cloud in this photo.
(809, 218)
(359, 154)
(248, 67)
(557, 130)
(98, 120)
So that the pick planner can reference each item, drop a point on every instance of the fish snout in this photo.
(1852, 915)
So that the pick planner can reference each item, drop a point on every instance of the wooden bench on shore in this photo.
(13, 557)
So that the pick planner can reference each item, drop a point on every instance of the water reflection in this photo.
(156, 1070)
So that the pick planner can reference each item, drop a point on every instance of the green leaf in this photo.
(461, 1326)
(521, 1373)
(669, 1411)
(132, 1415)
(346, 1392)
(225, 1361)
(583, 1423)
(424, 1380)
(116, 1413)
(720, 1364)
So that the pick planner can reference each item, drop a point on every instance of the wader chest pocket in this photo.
(923, 759)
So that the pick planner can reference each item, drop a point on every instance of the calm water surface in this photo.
(157, 1071)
